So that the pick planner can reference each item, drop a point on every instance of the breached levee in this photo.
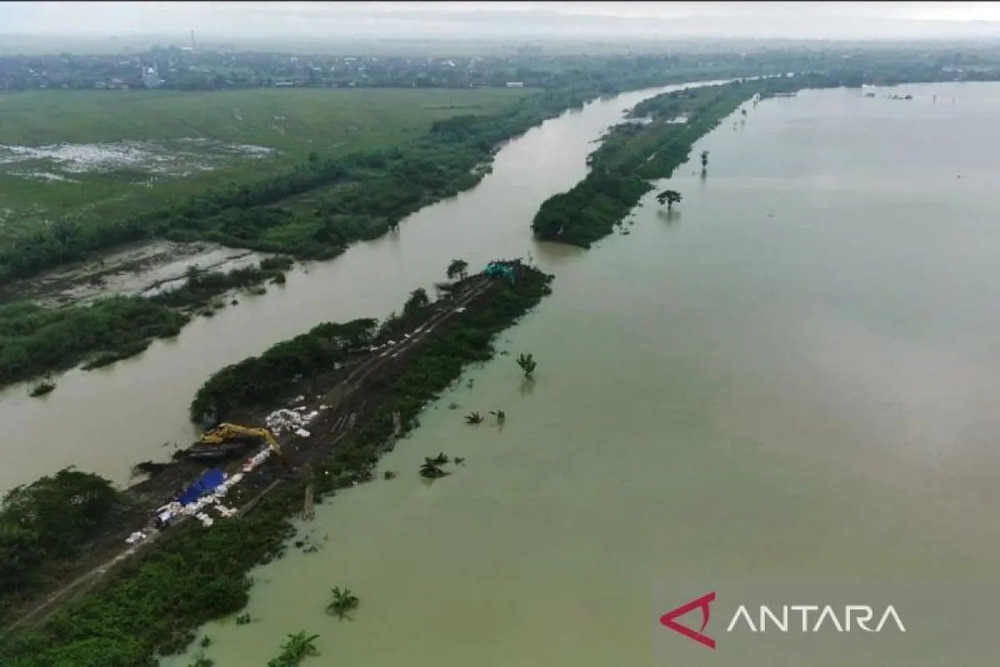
(374, 380)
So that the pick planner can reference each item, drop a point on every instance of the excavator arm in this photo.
(226, 432)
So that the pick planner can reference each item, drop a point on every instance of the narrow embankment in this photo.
(656, 139)
(122, 606)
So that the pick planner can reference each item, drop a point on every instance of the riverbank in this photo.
(312, 212)
(192, 575)
(656, 139)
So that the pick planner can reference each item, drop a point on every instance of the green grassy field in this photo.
(293, 122)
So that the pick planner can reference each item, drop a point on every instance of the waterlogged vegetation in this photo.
(630, 155)
(35, 340)
(200, 285)
(633, 153)
(669, 197)
(198, 574)
(41, 389)
(343, 602)
(297, 648)
(47, 523)
(527, 364)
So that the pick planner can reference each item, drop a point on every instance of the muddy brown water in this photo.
(791, 375)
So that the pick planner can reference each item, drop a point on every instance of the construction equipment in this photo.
(499, 270)
(225, 439)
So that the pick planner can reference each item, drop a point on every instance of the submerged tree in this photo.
(669, 197)
(298, 647)
(474, 418)
(527, 364)
(458, 268)
(343, 601)
(704, 158)
(431, 470)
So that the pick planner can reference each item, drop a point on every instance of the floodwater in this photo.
(109, 419)
(792, 375)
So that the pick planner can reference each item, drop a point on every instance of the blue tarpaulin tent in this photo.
(212, 479)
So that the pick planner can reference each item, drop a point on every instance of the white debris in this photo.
(256, 460)
(284, 420)
(136, 537)
(302, 433)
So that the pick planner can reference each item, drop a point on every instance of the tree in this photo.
(418, 299)
(298, 647)
(668, 197)
(343, 602)
(704, 157)
(431, 470)
(527, 364)
(458, 267)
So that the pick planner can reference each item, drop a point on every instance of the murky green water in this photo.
(791, 376)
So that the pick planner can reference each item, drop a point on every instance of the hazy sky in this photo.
(804, 20)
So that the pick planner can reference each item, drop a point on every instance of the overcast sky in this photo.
(803, 20)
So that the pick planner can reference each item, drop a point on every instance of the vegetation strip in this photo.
(35, 340)
(633, 153)
(197, 575)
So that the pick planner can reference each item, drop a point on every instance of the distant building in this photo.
(515, 84)
(151, 77)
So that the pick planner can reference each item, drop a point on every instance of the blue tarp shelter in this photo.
(209, 481)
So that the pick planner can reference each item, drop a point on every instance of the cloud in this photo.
(507, 19)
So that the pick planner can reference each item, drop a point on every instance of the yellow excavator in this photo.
(226, 439)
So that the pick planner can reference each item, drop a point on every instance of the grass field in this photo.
(114, 151)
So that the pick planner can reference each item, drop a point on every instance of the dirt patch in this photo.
(143, 270)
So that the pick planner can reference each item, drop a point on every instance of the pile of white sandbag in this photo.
(136, 537)
(255, 460)
(294, 420)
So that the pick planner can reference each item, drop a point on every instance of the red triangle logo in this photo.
(669, 619)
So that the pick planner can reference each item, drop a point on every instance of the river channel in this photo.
(792, 375)
(107, 420)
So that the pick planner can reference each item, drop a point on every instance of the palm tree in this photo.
(527, 364)
(668, 197)
(473, 418)
(343, 601)
(458, 267)
(298, 647)
(431, 470)
(440, 459)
